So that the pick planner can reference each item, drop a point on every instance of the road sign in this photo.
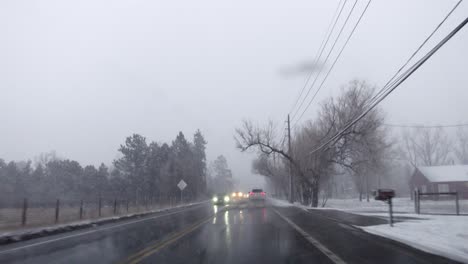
(182, 185)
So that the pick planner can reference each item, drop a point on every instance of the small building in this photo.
(437, 179)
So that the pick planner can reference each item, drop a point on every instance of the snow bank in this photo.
(442, 235)
(26, 234)
(399, 205)
(445, 235)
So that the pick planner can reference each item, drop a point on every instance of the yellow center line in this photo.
(139, 256)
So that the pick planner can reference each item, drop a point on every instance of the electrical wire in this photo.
(424, 126)
(322, 46)
(328, 55)
(334, 62)
(388, 84)
(402, 78)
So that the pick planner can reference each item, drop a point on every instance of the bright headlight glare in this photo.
(215, 199)
(226, 198)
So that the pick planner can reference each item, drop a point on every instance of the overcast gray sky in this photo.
(79, 76)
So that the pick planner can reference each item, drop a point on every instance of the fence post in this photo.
(415, 201)
(115, 206)
(457, 204)
(100, 203)
(57, 210)
(25, 210)
(81, 209)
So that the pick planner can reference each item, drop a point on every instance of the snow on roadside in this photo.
(444, 235)
(399, 205)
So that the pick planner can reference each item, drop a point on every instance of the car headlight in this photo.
(233, 194)
(215, 199)
(239, 194)
(226, 198)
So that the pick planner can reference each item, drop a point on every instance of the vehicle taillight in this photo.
(251, 193)
(263, 193)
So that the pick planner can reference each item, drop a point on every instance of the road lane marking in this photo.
(96, 230)
(332, 256)
(139, 256)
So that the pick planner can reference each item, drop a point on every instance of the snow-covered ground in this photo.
(401, 205)
(445, 235)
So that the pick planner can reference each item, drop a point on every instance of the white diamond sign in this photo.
(182, 185)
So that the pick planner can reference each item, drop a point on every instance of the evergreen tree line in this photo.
(144, 172)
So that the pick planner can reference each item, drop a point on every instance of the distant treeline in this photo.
(144, 172)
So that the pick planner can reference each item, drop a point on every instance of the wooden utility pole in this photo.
(291, 189)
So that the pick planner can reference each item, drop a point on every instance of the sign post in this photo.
(182, 184)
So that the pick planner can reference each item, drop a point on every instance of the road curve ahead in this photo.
(209, 234)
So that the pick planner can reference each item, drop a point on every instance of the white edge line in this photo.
(332, 256)
(93, 231)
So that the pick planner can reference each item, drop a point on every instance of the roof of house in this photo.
(451, 173)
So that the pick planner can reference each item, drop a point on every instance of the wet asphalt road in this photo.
(210, 234)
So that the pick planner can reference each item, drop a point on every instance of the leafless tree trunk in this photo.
(461, 147)
(427, 146)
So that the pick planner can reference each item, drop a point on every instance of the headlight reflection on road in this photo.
(215, 209)
(228, 229)
(226, 218)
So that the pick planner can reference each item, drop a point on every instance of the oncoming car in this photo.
(237, 196)
(220, 199)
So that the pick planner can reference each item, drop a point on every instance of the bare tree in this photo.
(265, 141)
(427, 146)
(274, 170)
(461, 146)
(358, 148)
(361, 149)
(317, 166)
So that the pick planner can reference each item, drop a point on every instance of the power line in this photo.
(328, 55)
(402, 78)
(319, 52)
(334, 62)
(387, 85)
(425, 126)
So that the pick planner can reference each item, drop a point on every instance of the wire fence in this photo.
(451, 203)
(26, 213)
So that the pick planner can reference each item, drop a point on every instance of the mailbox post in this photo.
(386, 195)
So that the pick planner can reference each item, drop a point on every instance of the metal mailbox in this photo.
(384, 194)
